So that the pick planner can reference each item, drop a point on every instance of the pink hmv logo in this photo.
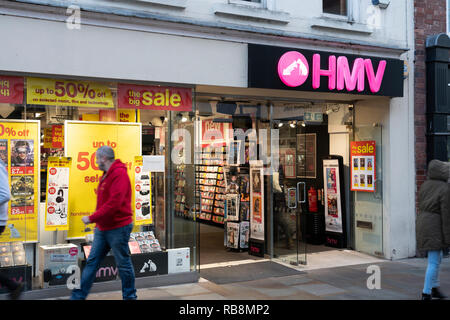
(293, 69)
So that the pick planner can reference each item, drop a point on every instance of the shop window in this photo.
(338, 7)
(36, 127)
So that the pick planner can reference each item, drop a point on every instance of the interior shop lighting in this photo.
(184, 119)
(280, 124)
(293, 124)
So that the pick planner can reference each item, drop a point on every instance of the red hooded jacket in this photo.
(113, 199)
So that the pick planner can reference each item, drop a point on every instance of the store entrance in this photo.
(309, 211)
(286, 196)
(226, 142)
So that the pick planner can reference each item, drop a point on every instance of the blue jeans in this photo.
(117, 240)
(432, 273)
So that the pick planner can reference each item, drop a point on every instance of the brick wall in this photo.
(430, 18)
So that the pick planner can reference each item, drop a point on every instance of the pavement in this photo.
(347, 279)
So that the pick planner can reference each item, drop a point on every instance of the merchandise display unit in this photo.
(237, 208)
(180, 199)
(210, 186)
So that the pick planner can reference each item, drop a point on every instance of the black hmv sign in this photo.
(319, 71)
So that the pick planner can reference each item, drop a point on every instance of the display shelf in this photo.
(180, 198)
(210, 185)
(237, 209)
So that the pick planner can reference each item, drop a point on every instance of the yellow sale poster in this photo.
(19, 150)
(142, 199)
(73, 93)
(57, 199)
(82, 139)
(48, 138)
(128, 115)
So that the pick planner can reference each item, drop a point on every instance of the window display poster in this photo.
(233, 235)
(215, 134)
(11, 89)
(232, 207)
(57, 136)
(133, 96)
(306, 155)
(244, 234)
(69, 93)
(363, 171)
(257, 203)
(287, 160)
(48, 138)
(332, 196)
(82, 139)
(142, 193)
(17, 149)
(57, 200)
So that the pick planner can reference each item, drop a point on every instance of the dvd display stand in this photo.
(210, 186)
(180, 198)
(237, 208)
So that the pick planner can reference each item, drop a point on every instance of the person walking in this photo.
(433, 224)
(15, 289)
(114, 222)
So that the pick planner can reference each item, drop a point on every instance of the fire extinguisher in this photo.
(312, 199)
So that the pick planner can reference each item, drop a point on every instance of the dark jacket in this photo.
(433, 220)
(113, 199)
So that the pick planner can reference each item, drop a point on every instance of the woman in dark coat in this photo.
(433, 224)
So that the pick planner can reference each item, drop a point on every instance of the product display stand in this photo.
(210, 186)
(335, 217)
(180, 199)
(237, 208)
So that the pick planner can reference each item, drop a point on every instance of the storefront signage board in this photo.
(82, 139)
(320, 71)
(11, 89)
(131, 96)
(363, 165)
(20, 151)
(70, 93)
(57, 199)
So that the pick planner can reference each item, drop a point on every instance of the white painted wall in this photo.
(48, 47)
(386, 26)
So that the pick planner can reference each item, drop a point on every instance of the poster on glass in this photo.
(363, 171)
(333, 210)
(257, 202)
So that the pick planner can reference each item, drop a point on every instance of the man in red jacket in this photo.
(114, 222)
